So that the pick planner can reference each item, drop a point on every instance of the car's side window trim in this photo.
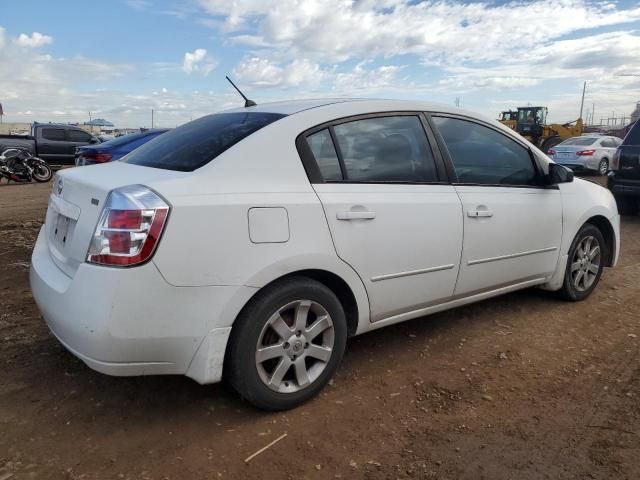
(441, 165)
(338, 150)
(451, 168)
(442, 149)
(313, 170)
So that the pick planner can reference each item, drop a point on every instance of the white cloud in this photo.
(198, 62)
(34, 41)
(310, 77)
(361, 79)
(261, 72)
(441, 30)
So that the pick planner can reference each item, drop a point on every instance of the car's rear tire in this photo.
(585, 264)
(603, 167)
(627, 205)
(286, 344)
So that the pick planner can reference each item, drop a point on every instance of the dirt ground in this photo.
(519, 387)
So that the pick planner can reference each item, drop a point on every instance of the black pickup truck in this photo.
(54, 143)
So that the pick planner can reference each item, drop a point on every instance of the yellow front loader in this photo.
(532, 124)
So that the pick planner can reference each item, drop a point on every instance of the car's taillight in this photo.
(585, 153)
(615, 161)
(129, 227)
(551, 152)
(97, 157)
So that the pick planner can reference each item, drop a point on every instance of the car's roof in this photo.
(367, 104)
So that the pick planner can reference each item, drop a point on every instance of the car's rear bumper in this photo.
(623, 186)
(131, 321)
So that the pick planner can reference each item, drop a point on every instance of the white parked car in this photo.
(251, 243)
(588, 152)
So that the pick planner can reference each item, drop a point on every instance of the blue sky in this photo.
(119, 59)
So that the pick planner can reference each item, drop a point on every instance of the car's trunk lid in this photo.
(565, 153)
(76, 202)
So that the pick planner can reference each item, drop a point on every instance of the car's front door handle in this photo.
(356, 215)
(479, 213)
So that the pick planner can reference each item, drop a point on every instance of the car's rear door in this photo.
(393, 216)
(512, 224)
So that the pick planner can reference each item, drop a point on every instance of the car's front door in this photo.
(77, 138)
(390, 216)
(512, 224)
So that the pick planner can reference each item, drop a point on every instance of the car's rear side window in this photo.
(390, 148)
(194, 144)
(55, 134)
(325, 154)
(386, 149)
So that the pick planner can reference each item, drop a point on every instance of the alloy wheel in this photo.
(295, 346)
(585, 264)
(603, 168)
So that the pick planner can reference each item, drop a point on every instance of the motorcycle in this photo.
(20, 165)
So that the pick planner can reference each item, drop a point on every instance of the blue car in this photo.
(113, 150)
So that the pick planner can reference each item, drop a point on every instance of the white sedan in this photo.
(251, 243)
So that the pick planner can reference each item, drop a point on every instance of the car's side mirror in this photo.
(559, 174)
(94, 140)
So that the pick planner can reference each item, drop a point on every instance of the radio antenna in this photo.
(247, 102)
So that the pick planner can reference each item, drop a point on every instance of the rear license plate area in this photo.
(61, 230)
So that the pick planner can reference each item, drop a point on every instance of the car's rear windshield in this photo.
(194, 144)
(580, 141)
(633, 137)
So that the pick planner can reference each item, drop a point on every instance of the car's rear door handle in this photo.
(356, 215)
(479, 213)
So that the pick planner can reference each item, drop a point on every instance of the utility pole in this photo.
(152, 118)
(584, 89)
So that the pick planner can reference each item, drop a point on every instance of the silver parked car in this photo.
(589, 152)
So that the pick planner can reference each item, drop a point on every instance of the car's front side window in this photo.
(385, 149)
(484, 156)
(78, 136)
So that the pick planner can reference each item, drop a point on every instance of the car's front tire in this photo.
(585, 264)
(286, 344)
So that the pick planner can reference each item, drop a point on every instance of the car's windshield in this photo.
(194, 144)
(580, 141)
(531, 115)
